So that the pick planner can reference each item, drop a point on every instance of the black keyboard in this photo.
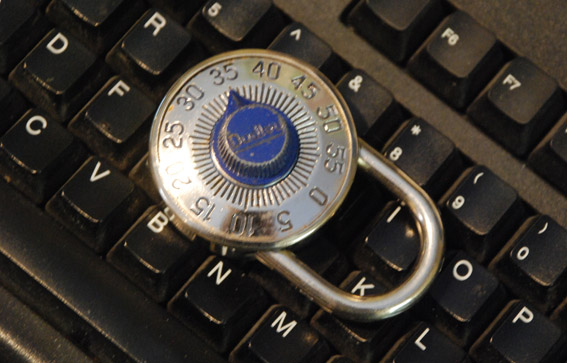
(467, 97)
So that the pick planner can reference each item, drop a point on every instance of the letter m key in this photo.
(280, 325)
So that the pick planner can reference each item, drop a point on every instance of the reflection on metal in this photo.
(254, 150)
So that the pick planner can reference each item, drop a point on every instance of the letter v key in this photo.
(95, 176)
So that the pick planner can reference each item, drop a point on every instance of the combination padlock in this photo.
(255, 150)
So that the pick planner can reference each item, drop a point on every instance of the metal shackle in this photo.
(255, 150)
(428, 263)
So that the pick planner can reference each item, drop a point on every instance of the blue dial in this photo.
(254, 143)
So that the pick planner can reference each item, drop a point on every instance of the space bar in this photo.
(83, 296)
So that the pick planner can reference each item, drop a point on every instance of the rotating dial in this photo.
(252, 150)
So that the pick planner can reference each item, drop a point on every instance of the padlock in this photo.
(254, 150)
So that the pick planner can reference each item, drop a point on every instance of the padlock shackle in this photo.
(376, 307)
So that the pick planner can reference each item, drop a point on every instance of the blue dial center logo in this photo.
(254, 143)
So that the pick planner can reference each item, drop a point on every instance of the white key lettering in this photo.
(525, 315)
(354, 84)
(119, 88)
(220, 277)
(158, 222)
(544, 228)
(58, 44)
(96, 176)
(418, 342)
(452, 37)
(157, 21)
(214, 10)
(458, 275)
(522, 253)
(287, 328)
(396, 153)
(394, 214)
(458, 202)
(512, 81)
(360, 286)
(37, 130)
(296, 34)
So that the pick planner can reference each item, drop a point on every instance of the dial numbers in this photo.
(252, 217)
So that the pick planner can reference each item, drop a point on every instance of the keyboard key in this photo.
(425, 155)
(97, 204)
(464, 298)
(375, 112)
(559, 315)
(389, 246)
(154, 52)
(280, 336)
(154, 256)
(319, 254)
(424, 343)
(59, 75)
(457, 60)
(179, 10)
(518, 106)
(22, 27)
(396, 27)
(37, 155)
(219, 302)
(98, 24)
(82, 296)
(297, 41)
(359, 341)
(363, 201)
(142, 176)
(533, 264)
(549, 159)
(480, 213)
(111, 127)
(520, 334)
(339, 359)
(12, 105)
(219, 29)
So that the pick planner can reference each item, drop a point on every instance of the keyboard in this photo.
(466, 97)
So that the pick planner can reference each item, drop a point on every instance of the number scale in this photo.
(254, 150)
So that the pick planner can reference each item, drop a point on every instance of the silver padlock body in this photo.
(252, 150)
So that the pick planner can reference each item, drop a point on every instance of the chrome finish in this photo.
(369, 308)
(241, 214)
(238, 218)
